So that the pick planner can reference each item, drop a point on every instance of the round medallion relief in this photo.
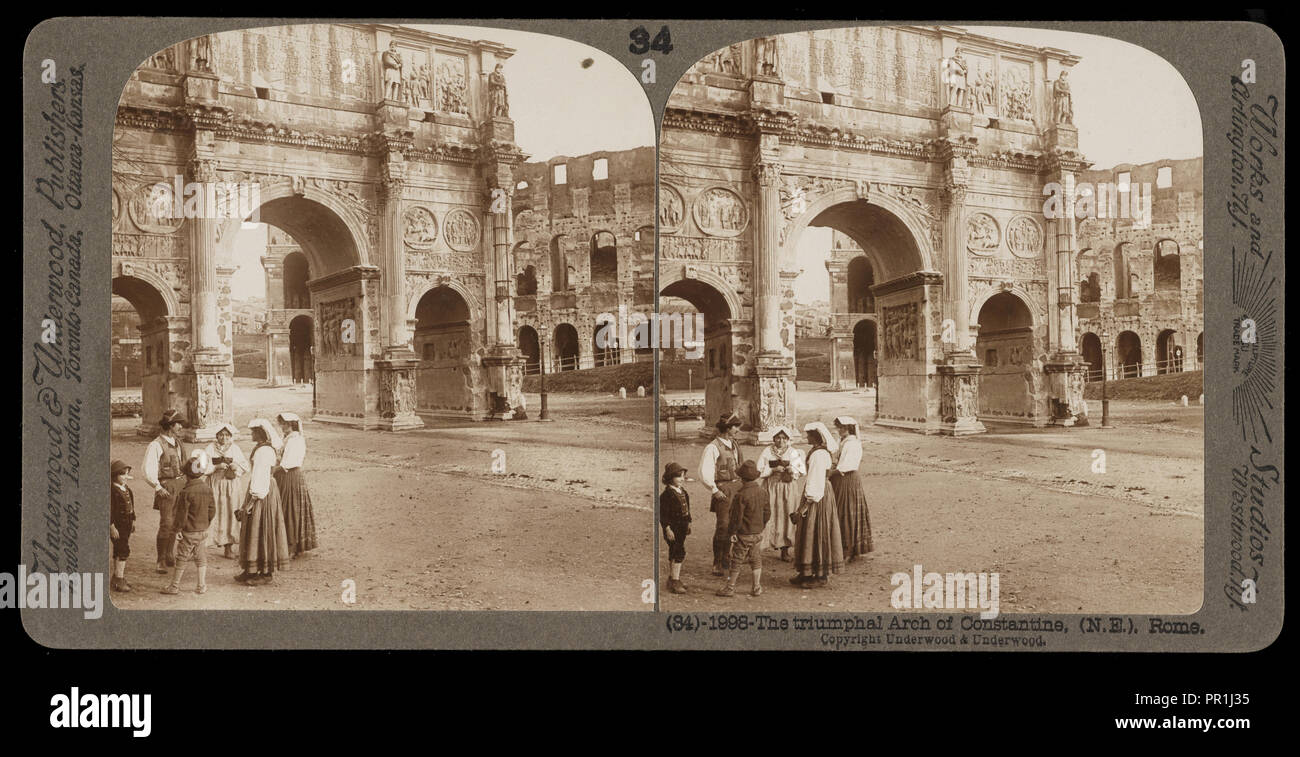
(1024, 237)
(461, 230)
(419, 228)
(672, 211)
(153, 208)
(982, 234)
(720, 212)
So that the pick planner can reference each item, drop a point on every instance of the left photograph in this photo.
(369, 283)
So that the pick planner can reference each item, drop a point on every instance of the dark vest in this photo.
(725, 468)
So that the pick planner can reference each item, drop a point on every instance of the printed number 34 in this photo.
(642, 44)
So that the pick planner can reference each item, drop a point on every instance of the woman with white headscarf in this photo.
(850, 499)
(294, 495)
(228, 464)
(263, 541)
(818, 550)
(780, 465)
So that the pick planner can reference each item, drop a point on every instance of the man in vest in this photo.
(718, 473)
(162, 471)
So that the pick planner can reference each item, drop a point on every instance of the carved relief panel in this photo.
(900, 331)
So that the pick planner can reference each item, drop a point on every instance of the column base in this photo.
(397, 391)
(1066, 373)
(505, 379)
(213, 384)
(776, 391)
(959, 395)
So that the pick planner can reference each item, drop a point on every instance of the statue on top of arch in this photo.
(1064, 101)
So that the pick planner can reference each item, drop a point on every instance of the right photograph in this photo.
(950, 281)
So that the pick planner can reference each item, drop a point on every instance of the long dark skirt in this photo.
(818, 549)
(855, 521)
(298, 517)
(263, 544)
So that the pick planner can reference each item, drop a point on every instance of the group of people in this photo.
(810, 508)
(196, 494)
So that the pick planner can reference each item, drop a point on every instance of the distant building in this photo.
(1140, 288)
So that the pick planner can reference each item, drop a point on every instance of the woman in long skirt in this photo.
(818, 550)
(263, 541)
(294, 495)
(850, 499)
(228, 464)
(780, 465)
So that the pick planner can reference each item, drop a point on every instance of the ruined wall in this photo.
(1153, 303)
(555, 226)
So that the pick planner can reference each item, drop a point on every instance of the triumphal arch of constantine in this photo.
(387, 154)
(928, 149)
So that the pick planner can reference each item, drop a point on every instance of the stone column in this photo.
(211, 384)
(767, 251)
(500, 211)
(1065, 368)
(203, 262)
(773, 369)
(953, 212)
(393, 254)
(399, 364)
(504, 363)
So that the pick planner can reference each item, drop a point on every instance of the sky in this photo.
(559, 108)
(1130, 106)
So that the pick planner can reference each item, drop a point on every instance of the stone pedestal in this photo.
(201, 86)
(959, 398)
(499, 129)
(213, 387)
(1066, 373)
(954, 121)
(775, 396)
(1064, 136)
(394, 114)
(505, 382)
(766, 90)
(397, 391)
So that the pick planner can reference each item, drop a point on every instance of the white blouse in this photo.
(819, 464)
(236, 455)
(850, 454)
(295, 451)
(259, 484)
(791, 455)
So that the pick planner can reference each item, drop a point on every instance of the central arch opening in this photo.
(849, 251)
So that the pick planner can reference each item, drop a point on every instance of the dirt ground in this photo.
(419, 520)
(1022, 502)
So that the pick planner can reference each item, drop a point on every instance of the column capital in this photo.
(201, 169)
(392, 180)
(767, 173)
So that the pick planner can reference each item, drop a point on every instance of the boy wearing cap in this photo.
(162, 471)
(193, 513)
(750, 511)
(121, 522)
(675, 517)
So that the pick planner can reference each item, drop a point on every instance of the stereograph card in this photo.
(765, 335)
